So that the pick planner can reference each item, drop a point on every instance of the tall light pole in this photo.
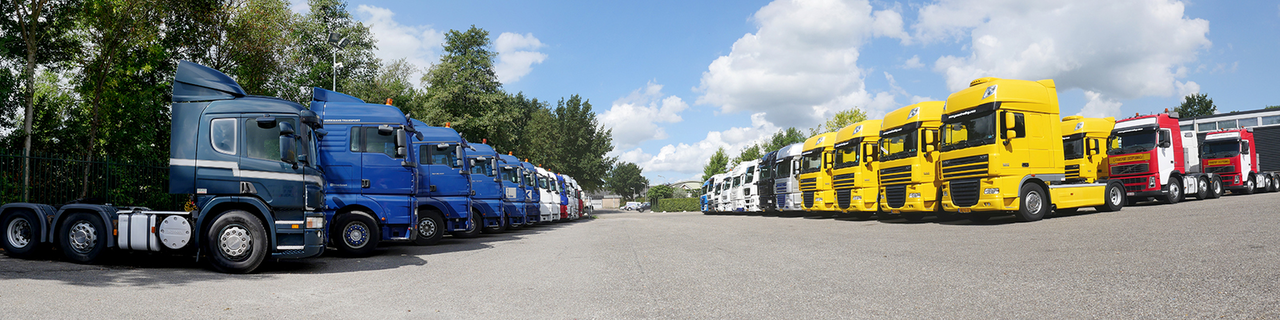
(338, 43)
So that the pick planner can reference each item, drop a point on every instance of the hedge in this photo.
(679, 204)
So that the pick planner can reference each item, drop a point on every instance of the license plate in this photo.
(895, 211)
(1129, 193)
(964, 210)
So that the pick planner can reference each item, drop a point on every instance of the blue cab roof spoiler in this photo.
(194, 82)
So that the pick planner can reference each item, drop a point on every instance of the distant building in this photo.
(1265, 124)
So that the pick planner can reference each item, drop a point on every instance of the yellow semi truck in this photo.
(1002, 151)
(854, 175)
(815, 173)
(1084, 147)
(908, 160)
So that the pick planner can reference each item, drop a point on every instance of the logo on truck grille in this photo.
(1131, 158)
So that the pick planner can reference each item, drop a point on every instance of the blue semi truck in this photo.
(444, 185)
(487, 187)
(250, 165)
(513, 186)
(533, 196)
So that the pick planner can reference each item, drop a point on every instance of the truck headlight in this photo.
(1237, 179)
(944, 193)
(1151, 182)
(855, 198)
(913, 195)
(991, 191)
(315, 222)
(817, 200)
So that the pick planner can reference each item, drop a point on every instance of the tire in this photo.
(430, 228)
(82, 238)
(1114, 198)
(477, 223)
(1202, 188)
(236, 242)
(21, 234)
(1173, 191)
(1248, 186)
(1215, 188)
(1035, 203)
(1272, 183)
(355, 234)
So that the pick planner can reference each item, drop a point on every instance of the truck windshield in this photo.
(847, 156)
(528, 179)
(970, 131)
(898, 146)
(737, 181)
(542, 182)
(783, 169)
(511, 175)
(811, 162)
(482, 167)
(1073, 147)
(1125, 143)
(1220, 149)
(751, 174)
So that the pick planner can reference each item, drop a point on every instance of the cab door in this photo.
(269, 171)
(383, 159)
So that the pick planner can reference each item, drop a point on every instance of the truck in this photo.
(1154, 158)
(563, 192)
(371, 175)
(1002, 152)
(705, 197)
(909, 180)
(1080, 138)
(249, 164)
(487, 187)
(786, 188)
(1233, 155)
(765, 188)
(513, 187)
(444, 185)
(533, 196)
(549, 207)
(815, 174)
(854, 178)
(723, 202)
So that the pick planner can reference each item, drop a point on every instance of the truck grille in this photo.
(1129, 169)
(967, 167)
(843, 197)
(895, 196)
(808, 199)
(1073, 171)
(782, 200)
(1137, 183)
(1220, 169)
(809, 184)
(780, 187)
(844, 181)
(965, 192)
(895, 175)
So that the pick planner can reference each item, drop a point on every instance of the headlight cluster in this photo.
(913, 195)
(991, 191)
(1151, 182)
(315, 222)
(855, 198)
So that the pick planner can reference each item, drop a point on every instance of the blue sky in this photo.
(678, 79)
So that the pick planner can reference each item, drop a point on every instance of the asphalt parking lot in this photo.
(1198, 259)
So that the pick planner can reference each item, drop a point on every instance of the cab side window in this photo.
(263, 143)
(222, 134)
(377, 143)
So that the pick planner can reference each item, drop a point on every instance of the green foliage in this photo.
(625, 180)
(661, 191)
(1196, 105)
(784, 138)
(309, 57)
(748, 154)
(839, 121)
(581, 143)
(678, 205)
(716, 165)
(1272, 107)
(465, 90)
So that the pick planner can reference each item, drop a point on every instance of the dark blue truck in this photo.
(250, 164)
(514, 192)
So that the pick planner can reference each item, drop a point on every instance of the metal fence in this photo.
(56, 180)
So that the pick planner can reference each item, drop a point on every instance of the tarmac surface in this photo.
(1197, 259)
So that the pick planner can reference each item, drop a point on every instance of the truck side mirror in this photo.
(320, 133)
(402, 139)
(286, 129)
(266, 122)
(929, 140)
(1094, 146)
(385, 130)
(401, 152)
(309, 118)
(288, 151)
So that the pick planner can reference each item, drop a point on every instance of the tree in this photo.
(625, 180)
(466, 91)
(582, 143)
(310, 57)
(391, 81)
(1196, 105)
(659, 192)
(748, 154)
(1273, 107)
(839, 120)
(716, 165)
(784, 138)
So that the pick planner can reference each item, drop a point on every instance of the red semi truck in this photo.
(1154, 158)
(1233, 154)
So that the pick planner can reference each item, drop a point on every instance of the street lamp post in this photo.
(338, 43)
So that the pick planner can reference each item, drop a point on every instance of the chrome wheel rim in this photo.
(1203, 185)
(1115, 195)
(82, 237)
(427, 227)
(1033, 202)
(356, 235)
(1217, 187)
(1175, 191)
(234, 241)
(20, 233)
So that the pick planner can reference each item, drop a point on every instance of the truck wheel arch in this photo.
(41, 211)
(101, 211)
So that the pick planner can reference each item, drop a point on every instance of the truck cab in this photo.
(1154, 159)
(909, 179)
(854, 168)
(815, 173)
(1081, 137)
(372, 176)
(1233, 155)
(549, 205)
(486, 184)
(533, 195)
(444, 184)
(743, 197)
(764, 188)
(513, 186)
(786, 187)
(563, 193)
(723, 199)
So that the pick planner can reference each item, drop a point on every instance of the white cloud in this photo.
(516, 56)
(913, 63)
(1187, 88)
(1122, 50)
(419, 45)
(635, 118)
(801, 64)
(300, 7)
(1099, 107)
(690, 158)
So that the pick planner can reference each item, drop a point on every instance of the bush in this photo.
(679, 204)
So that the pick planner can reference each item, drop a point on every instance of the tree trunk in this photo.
(29, 72)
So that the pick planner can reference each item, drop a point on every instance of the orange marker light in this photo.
(388, 101)
(446, 124)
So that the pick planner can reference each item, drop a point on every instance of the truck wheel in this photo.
(355, 234)
(1173, 192)
(1248, 186)
(237, 241)
(1271, 183)
(1035, 203)
(21, 234)
(429, 227)
(1114, 198)
(1215, 188)
(477, 223)
(82, 238)
(1202, 188)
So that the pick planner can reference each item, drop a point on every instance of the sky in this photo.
(675, 80)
